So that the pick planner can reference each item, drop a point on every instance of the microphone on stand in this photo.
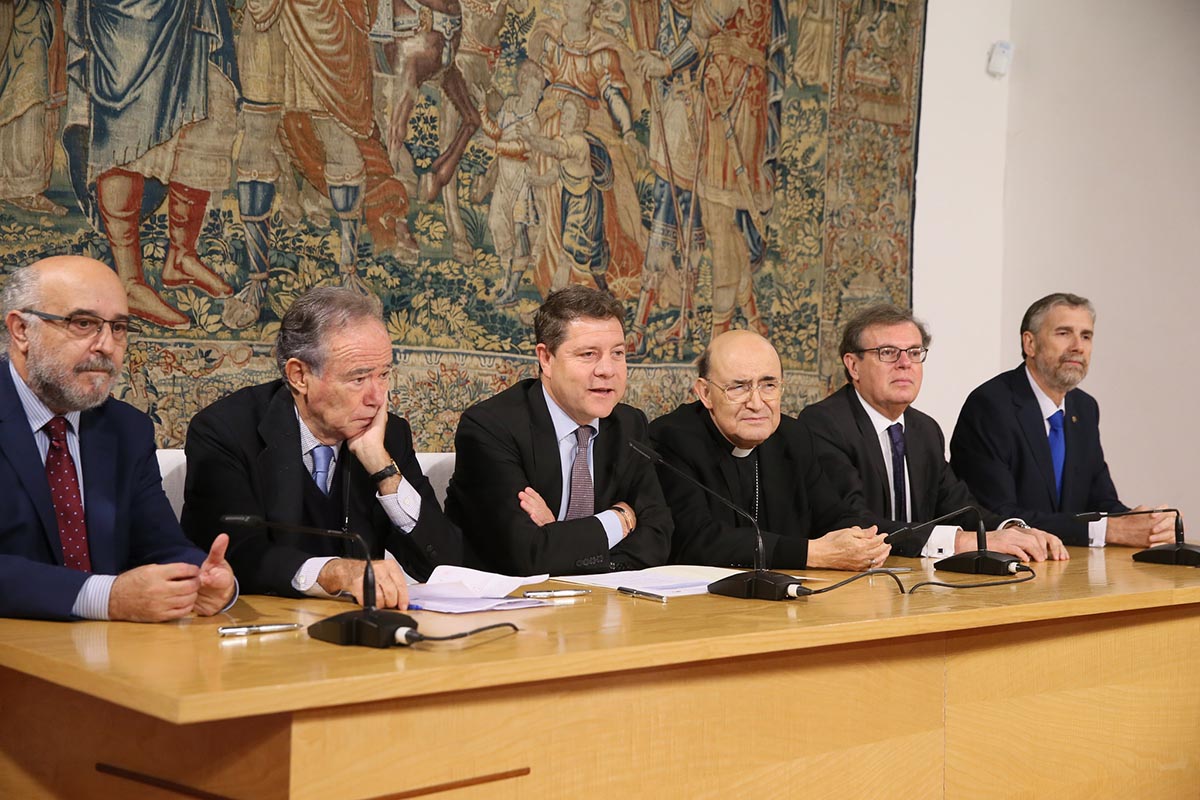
(1178, 552)
(980, 561)
(367, 626)
(758, 584)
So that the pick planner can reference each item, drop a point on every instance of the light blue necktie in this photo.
(1058, 447)
(322, 454)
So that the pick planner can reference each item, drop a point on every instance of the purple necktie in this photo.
(582, 501)
(64, 492)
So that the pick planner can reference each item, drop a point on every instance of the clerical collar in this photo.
(742, 452)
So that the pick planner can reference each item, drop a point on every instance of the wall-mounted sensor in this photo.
(999, 59)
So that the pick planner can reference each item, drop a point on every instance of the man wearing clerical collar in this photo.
(735, 441)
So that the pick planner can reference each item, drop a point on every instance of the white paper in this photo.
(460, 590)
(480, 583)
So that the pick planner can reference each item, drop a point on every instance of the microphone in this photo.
(367, 626)
(758, 584)
(980, 561)
(1179, 552)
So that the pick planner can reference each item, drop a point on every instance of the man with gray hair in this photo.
(869, 438)
(86, 531)
(1028, 441)
(319, 448)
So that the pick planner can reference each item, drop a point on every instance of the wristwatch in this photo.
(387, 472)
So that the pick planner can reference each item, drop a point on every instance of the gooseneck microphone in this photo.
(759, 584)
(980, 561)
(1178, 552)
(367, 626)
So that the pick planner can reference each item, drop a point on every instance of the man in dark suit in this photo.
(544, 480)
(870, 439)
(86, 531)
(319, 448)
(1028, 442)
(735, 441)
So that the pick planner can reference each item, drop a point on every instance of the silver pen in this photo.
(547, 593)
(662, 598)
(247, 630)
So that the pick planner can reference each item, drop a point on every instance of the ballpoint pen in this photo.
(247, 630)
(642, 594)
(548, 593)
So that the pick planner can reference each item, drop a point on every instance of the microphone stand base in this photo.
(758, 584)
(979, 562)
(1178, 553)
(364, 627)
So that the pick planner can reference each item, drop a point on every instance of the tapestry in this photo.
(711, 163)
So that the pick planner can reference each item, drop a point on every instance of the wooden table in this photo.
(1084, 682)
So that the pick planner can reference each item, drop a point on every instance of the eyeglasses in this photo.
(890, 354)
(85, 326)
(741, 392)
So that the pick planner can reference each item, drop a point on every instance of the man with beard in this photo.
(86, 531)
(1028, 442)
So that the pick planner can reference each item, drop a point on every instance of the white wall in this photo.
(1078, 172)
(958, 236)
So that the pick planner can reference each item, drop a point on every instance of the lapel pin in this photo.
(1074, 418)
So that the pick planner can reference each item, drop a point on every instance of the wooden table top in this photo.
(183, 672)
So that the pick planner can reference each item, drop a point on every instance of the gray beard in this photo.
(52, 384)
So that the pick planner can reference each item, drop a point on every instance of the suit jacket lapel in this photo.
(921, 468)
(547, 465)
(876, 470)
(725, 465)
(1033, 427)
(1073, 439)
(279, 464)
(773, 469)
(98, 447)
(19, 448)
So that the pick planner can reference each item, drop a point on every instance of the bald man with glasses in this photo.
(734, 440)
(86, 531)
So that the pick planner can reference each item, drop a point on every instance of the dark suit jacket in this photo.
(129, 519)
(798, 501)
(1001, 450)
(506, 443)
(243, 455)
(849, 450)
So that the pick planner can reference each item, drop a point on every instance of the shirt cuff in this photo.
(92, 600)
(404, 507)
(1098, 532)
(613, 528)
(305, 579)
(940, 542)
(1012, 522)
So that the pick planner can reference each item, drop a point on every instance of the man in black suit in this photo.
(544, 480)
(870, 439)
(735, 441)
(319, 448)
(86, 531)
(1028, 442)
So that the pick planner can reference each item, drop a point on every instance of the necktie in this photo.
(1058, 447)
(899, 450)
(64, 493)
(582, 502)
(322, 454)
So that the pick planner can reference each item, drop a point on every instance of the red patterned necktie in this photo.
(68, 503)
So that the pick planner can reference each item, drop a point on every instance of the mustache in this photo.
(97, 364)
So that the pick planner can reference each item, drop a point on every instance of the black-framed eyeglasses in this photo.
(85, 326)
(889, 354)
(741, 391)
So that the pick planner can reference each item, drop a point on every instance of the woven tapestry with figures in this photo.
(711, 163)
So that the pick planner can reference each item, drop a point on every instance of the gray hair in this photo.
(1036, 313)
(881, 314)
(22, 290)
(314, 316)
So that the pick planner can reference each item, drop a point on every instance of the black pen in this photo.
(662, 598)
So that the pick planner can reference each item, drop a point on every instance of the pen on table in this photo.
(544, 593)
(247, 630)
(662, 598)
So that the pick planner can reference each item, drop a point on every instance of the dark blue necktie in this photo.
(896, 433)
(1058, 447)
